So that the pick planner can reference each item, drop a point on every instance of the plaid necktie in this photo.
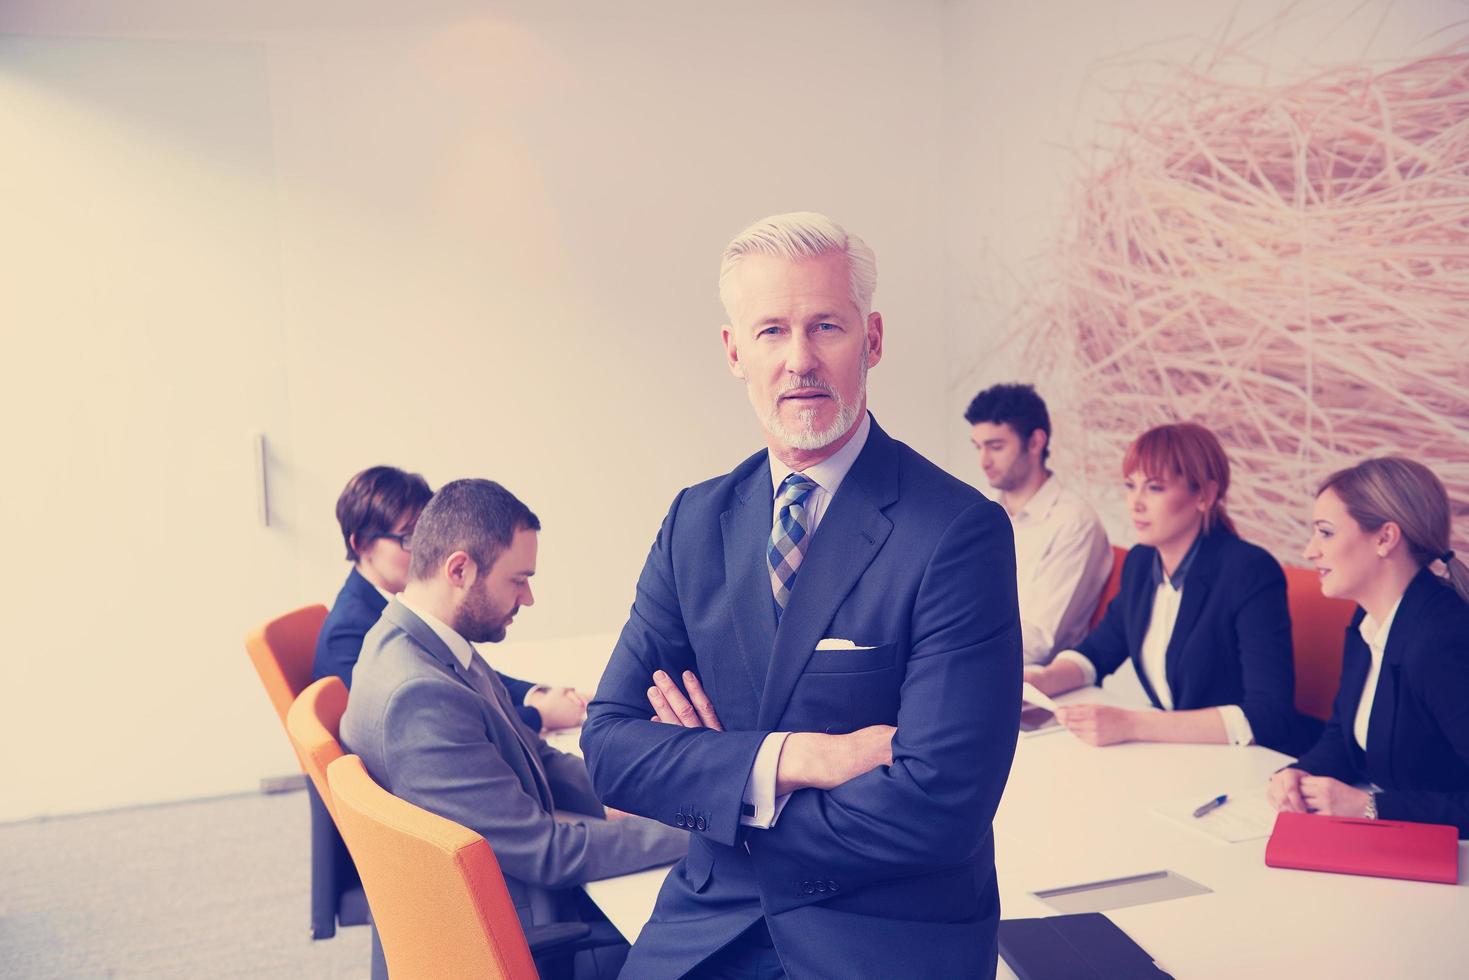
(788, 537)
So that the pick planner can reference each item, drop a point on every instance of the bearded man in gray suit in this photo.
(435, 726)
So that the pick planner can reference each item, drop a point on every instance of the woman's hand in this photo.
(1097, 724)
(1333, 797)
(1284, 791)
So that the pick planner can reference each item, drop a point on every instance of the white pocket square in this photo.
(837, 643)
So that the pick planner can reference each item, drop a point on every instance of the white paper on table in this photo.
(1029, 692)
(1246, 815)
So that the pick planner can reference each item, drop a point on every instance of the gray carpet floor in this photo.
(216, 888)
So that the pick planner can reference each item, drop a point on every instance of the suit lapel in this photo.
(746, 529)
(1382, 722)
(1196, 585)
(1356, 661)
(1142, 615)
(366, 591)
(849, 536)
(400, 616)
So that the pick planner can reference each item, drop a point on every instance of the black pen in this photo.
(1212, 805)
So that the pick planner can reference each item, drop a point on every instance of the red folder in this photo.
(1381, 848)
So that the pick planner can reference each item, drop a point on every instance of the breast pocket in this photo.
(841, 691)
(852, 661)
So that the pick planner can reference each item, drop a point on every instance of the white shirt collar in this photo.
(1038, 507)
(458, 645)
(830, 472)
(1376, 635)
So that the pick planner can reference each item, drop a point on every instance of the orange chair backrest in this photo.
(282, 651)
(1113, 586)
(314, 725)
(1317, 627)
(438, 898)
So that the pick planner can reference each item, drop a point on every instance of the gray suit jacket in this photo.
(449, 740)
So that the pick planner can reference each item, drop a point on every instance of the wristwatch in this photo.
(1369, 812)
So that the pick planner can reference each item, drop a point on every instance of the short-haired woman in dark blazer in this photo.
(1201, 613)
(1401, 717)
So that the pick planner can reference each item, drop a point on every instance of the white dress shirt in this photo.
(828, 475)
(461, 648)
(1062, 561)
(1376, 639)
(1153, 655)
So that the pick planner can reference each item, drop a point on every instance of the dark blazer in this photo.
(355, 611)
(1231, 643)
(1418, 732)
(892, 873)
(444, 738)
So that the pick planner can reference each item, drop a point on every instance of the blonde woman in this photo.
(1380, 537)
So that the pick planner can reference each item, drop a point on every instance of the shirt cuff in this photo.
(1236, 725)
(535, 689)
(761, 807)
(1088, 669)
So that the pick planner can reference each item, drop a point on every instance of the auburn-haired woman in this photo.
(1380, 532)
(1201, 613)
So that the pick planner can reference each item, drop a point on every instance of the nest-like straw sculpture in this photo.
(1287, 265)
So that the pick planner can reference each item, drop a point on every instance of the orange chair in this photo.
(1113, 586)
(313, 723)
(282, 651)
(439, 901)
(1317, 626)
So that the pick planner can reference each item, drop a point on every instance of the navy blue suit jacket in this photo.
(1418, 732)
(357, 609)
(891, 873)
(1231, 643)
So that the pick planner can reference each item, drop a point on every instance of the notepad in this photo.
(1246, 815)
(1379, 848)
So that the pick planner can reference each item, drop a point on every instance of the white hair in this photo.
(795, 236)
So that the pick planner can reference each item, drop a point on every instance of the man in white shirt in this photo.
(1062, 558)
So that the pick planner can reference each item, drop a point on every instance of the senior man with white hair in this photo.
(828, 642)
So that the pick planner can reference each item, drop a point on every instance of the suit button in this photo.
(679, 819)
(807, 888)
(820, 886)
(831, 886)
(701, 824)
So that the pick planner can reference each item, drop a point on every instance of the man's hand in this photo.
(808, 759)
(1097, 724)
(817, 761)
(560, 707)
(1333, 797)
(672, 708)
(1284, 791)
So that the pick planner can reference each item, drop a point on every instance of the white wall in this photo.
(471, 239)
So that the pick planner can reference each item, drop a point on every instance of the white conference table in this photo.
(1073, 814)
